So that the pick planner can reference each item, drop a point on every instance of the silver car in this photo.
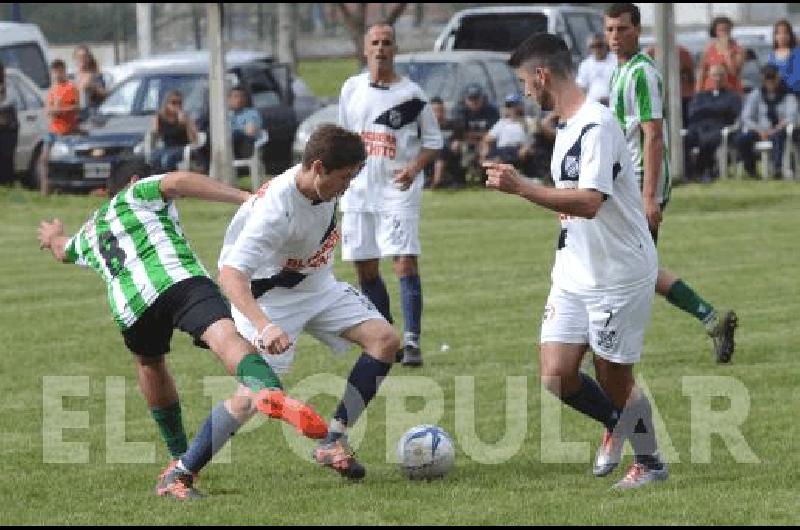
(32, 117)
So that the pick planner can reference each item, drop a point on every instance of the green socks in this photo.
(170, 425)
(683, 297)
(254, 373)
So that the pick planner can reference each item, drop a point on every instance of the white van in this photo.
(22, 46)
(503, 28)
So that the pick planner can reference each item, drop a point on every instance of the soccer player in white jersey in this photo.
(381, 207)
(276, 267)
(156, 283)
(606, 263)
(637, 101)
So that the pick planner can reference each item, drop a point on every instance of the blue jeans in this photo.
(746, 142)
(166, 159)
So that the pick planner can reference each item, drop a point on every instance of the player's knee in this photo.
(241, 406)
(555, 378)
(386, 342)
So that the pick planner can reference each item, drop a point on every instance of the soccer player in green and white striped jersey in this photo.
(156, 283)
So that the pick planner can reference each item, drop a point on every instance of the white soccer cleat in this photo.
(608, 454)
(639, 475)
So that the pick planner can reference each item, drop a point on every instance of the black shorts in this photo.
(191, 305)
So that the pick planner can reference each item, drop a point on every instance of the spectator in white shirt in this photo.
(594, 73)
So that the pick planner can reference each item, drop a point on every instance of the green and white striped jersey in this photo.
(637, 95)
(136, 244)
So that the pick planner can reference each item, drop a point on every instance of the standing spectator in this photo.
(382, 205)
(785, 55)
(508, 140)
(686, 71)
(175, 129)
(767, 112)
(594, 73)
(245, 122)
(9, 131)
(721, 50)
(90, 83)
(709, 112)
(751, 71)
(473, 116)
(63, 106)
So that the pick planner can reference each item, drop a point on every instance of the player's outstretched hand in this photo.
(271, 340)
(502, 177)
(48, 231)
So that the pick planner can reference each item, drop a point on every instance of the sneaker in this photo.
(639, 474)
(167, 471)
(337, 454)
(608, 454)
(398, 356)
(412, 356)
(177, 483)
(722, 335)
(275, 404)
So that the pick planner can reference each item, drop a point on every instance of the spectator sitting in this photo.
(721, 50)
(175, 129)
(709, 111)
(785, 56)
(508, 140)
(543, 131)
(751, 71)
(686, 71)
(245, 122)
(474, 116)
(62, 107)
(767, 112)
(595, 72)
(439, 173)
(89, 81)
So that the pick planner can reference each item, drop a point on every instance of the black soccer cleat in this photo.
(722, 335)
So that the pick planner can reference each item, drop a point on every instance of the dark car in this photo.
(84, 162)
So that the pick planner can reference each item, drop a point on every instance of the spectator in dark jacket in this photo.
(709, 112)
(9, 129)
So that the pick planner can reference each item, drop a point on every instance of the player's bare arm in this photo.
(187, 184)
(576, 202)
(653, 151)
(405, 177)
(236, 286)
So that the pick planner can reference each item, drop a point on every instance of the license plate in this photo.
(96, 170)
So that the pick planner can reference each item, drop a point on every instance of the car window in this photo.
(498, 32)
(27, 58)
(29, 95)
(435, 79)
(264, 91)
(122, 98)
(502, 76)
(473, 72)
(580, 29)
(13, 96)
(193, 89)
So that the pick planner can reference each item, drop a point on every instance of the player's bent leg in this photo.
(407, 271)
(371, 284)
(559, 365)
(158, 389)
(376, 337)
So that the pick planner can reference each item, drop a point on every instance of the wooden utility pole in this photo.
(144, 29)
(668, 61)
(221, 159)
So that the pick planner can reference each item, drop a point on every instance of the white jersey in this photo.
(283, 242)
(509, 133)
(395, 123)
(595, 76)
(614, 251)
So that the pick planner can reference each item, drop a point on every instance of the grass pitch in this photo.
(485, 271)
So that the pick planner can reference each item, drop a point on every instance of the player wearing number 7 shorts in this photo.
(156, 283)
(276, 267)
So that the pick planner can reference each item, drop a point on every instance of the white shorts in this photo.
(613, 325)
(368, 235)
(325, 317)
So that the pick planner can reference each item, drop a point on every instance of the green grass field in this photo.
(485, 269)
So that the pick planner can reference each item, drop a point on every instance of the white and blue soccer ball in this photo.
(426, 452)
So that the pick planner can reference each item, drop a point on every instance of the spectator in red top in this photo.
(721, 50)
(63, 106)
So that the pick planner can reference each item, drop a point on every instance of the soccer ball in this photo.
(425, 452)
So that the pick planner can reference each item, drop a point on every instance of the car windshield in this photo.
(127, 98)
(481, 32)
(435, 79)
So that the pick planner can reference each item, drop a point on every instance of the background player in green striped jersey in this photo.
(637, 100)
(156, 283)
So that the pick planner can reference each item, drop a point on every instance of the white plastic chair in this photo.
(254, 163)
(151, 143)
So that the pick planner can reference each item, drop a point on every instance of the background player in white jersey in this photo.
(155, 284)
(381, 207)
(276, 267)
(637, 101)
(606, 263)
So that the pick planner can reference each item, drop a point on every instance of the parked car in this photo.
(442, 74)
(26, 97)
(117, 131)
(22, 46)
(503, 28)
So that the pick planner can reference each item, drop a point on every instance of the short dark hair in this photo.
(546, 50)
(383, 23)
(788, 25)
(617, 10)
(122, 174)
(436, 100)
(335, 147)
(58, 64)
(248, 100)
(721, 19)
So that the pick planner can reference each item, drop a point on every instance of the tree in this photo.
(287, 31)
(356, 22)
